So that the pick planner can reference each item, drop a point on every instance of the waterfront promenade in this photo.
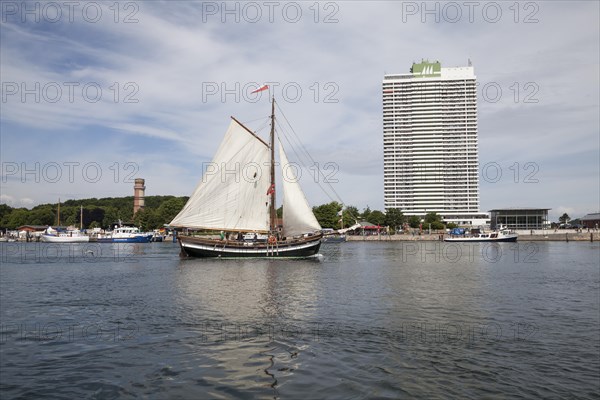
(561, 235)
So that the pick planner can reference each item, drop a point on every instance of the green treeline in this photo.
(160, 210)
(329, 216)
(102, 213)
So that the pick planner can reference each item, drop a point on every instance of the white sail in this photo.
(298, 217)
(232, 194)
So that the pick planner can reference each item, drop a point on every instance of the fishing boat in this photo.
(234, 203)
(51, 235)
(501, 235)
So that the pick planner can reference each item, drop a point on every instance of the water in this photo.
(365, 320)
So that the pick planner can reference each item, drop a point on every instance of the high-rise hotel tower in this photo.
(430, 153)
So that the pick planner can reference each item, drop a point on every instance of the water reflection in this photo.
(368, 320)
(248, 315)
(255, 290)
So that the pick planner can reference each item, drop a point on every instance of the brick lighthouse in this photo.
(138, 195)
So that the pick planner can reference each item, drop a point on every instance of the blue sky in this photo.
(161, 68)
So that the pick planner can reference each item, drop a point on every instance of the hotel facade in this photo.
(430, 148)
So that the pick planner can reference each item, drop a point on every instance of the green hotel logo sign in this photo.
(426, 69)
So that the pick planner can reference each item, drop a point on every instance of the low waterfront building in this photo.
(591, 221)
(32, 228)
(524, 218)
(469, 220)
(367, 228)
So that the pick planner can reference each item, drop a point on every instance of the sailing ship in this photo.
(236, 201)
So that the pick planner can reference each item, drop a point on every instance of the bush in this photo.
(437, 225)
(414, 221)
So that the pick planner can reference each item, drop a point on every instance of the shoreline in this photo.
(549, 237)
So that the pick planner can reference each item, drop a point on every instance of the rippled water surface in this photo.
(364, 320)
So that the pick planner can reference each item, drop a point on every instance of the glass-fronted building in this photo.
(519, 218)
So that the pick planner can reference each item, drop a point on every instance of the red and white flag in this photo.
(260, 89)
(271, 189)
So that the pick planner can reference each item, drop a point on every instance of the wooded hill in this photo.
(160, 210)
(103, 212)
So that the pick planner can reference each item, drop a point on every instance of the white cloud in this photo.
(7, 199)
(172, 56)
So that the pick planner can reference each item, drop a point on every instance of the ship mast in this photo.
(273, 212)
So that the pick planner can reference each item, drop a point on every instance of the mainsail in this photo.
(298, 217)
(232, 193)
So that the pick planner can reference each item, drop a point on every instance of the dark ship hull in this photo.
(200, 247)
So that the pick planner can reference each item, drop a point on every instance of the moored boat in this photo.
(124, 234)
(503, 235)
(332, 236)
(236, 199)
(51, 235)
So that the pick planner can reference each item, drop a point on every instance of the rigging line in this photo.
(294, 146)
(254, 120)
(305, 166)
(287, 138)
(265, 123)
(302, 162)
(310, 157)
(283, 131)
(285, 135)
(290, 138)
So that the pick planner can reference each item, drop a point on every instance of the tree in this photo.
(394, 218)
(432, 217)
(437, 225)
(376, 217)
(327, 216)
(351, 215)
(434, 221)
(16, 218)
(40, 216)
(148, 219)
(564, 218)
(168, 209)
(105, 212)
(93, 213)
(414, 221)
(365, 214)
(5, 210)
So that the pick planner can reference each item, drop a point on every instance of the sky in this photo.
(95, 94)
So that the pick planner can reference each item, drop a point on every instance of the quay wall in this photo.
(528, 237)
